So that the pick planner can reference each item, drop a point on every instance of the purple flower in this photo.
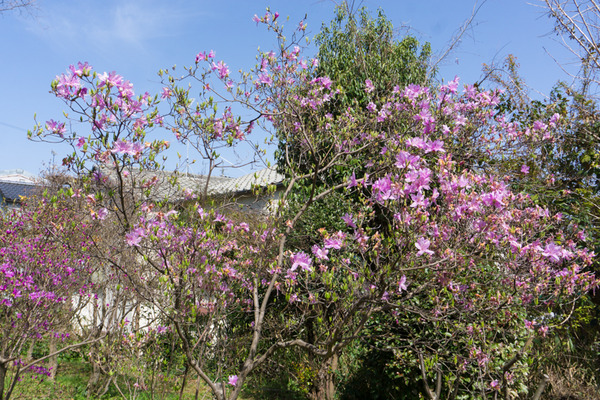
(222, 68)
(124, 147)
(423, 246)
(320, 253)
(166, 93)
(383, 188)
(326, 82)
(111, 79)
(352, 181)
(402, 284)
(134, 237)
(553, 252)
(333, 243)
(436, 145)
(348, 220)
(233, 379)
(524, 169)
(102, 213)
(301, 260)
(417, 142)
(56, 127)
(369, 86)
(200, 57)
(265, 79)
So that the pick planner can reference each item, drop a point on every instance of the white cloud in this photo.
(124, 24)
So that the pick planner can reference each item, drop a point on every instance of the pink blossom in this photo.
(524, 169)
(369, 86)
(553, 252)
(102, 213)
(352, 181)
(200, 57)
(222, 68)
(81, 70)
(417, 142)
(326, 82)
(423, 246)
(56, 127)
(123, 147)
(436, 145)
(348, 219)
(402, 286)
(109, 80)
(333, 243)
(265, 79)
(301, 260)
(166, 93)
(320, 253)
(383, 189)
(134, 237)
(233, 380)
(451, 86)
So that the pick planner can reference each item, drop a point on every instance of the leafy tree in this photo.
(353, 49)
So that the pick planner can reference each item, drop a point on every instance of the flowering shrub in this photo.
(43, 268)
(464, 270)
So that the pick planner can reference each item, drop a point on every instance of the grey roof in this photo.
(12, 191)
(244, 184)
(217, 186)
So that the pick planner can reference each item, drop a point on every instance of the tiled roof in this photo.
(244, 184)
(12, 191)
(217, 186)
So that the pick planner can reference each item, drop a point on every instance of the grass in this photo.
(71, 381)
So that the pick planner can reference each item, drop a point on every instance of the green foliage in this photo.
(564, 177)
(352, 49)
(357, 47)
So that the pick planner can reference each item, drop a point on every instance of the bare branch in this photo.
(456, 38)
(20, 5)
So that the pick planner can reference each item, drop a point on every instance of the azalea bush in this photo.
(465, 272)
(44, 281)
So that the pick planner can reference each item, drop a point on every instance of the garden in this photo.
(429, 240)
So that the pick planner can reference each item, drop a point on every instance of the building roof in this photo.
(217, 185)
(244, 184)
(17, 175)
(11, 192)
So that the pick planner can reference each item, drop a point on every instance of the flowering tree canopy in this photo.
(464, 270)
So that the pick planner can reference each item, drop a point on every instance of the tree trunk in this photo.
(2, 380)
(324, 383)
(30, 350)
(52, 361)
(94, 377)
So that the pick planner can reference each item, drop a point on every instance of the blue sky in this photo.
(136, 38)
